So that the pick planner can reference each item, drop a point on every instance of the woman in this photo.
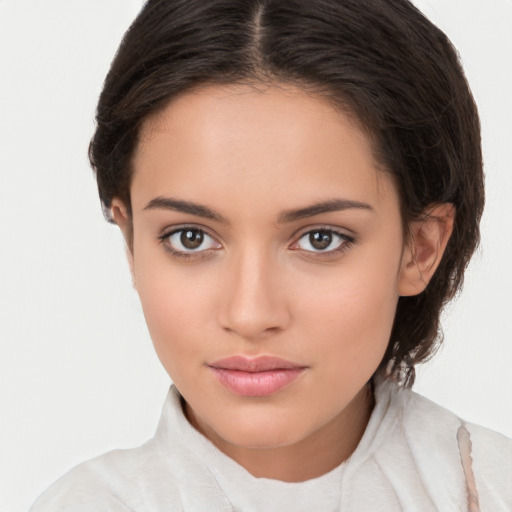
(300, 186)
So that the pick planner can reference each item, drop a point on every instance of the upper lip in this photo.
(257, 364)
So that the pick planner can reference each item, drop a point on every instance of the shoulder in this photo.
(107, 482)
(154, 477)
(439, 437)
(492, 463)
(165, 473)
(424, 414)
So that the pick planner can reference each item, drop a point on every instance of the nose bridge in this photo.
(253, 303)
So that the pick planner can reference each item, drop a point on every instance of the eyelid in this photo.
(337, 230)
(183, 254)
(169, 230)
(348, 239)
(341, 230)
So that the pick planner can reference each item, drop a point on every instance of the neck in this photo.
(313, 456)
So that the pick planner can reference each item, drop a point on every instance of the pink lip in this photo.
(260, 376)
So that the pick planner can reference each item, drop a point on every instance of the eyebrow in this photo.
(333, 205)
(177, 205)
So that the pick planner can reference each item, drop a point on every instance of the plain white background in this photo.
(78, 375)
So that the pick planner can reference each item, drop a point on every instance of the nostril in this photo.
(257, 325)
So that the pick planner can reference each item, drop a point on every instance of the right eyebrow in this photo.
(168, 203)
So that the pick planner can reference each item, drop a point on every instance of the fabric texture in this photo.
(414, 456)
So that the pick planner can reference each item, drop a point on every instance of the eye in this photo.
(322, 240)
(189, 240)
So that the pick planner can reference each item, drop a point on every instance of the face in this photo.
(268, 255)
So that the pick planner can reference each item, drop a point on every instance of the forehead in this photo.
(274, 142)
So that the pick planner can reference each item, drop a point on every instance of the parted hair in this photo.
(380, 60)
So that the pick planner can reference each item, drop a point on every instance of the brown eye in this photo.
(323, 240)
(320, 240)
(191, 238)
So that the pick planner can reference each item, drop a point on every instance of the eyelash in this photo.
(184, 255)
(345, 242)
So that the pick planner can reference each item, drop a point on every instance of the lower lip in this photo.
(256, 383)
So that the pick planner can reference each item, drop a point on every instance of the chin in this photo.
(263, 434)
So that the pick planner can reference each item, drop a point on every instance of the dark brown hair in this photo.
(380, 59)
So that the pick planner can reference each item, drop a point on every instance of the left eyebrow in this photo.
(333, 205)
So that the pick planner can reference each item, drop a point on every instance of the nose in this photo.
(253, 304)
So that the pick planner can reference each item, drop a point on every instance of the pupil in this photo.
(192, 239)
(320, 239)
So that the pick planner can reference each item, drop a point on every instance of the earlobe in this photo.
(428, 238)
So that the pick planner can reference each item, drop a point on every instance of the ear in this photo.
(428, 238)
(123, 219)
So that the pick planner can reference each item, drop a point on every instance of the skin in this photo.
(257, 286)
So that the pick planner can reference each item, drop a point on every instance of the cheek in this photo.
(175, 307)
(351, 312)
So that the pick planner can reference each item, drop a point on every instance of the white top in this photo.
(414, 456)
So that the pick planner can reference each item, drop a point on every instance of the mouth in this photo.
(261, 376)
